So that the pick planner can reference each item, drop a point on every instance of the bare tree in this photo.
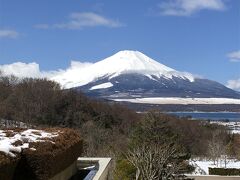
(216, 149)
(154, 161)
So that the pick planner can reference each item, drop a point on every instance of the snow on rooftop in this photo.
(8, 147)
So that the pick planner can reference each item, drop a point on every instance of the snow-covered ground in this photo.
(9, 137)
(234, 127)
(178, 100)
(203, 165)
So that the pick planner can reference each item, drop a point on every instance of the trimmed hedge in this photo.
(7, 166)
(224, 172)
(46, 161)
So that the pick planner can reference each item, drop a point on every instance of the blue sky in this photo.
(197, 36)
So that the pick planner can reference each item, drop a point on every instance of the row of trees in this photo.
(40, 101)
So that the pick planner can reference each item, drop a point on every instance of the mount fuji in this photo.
(131, 74)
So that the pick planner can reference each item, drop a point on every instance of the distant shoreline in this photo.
(140, 107)
(212, 116)
(180, 100)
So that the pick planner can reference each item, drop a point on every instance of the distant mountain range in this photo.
(131, 74)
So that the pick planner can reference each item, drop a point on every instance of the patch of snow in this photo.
(179, 100)
(102, 86)
(234, 127)
(203, 165)
(123, 62)
(27, 136)
(235, 131)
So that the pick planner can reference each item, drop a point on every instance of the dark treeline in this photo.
(39, 101)
(108, 129)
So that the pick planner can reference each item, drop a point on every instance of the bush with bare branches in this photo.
(155, 161)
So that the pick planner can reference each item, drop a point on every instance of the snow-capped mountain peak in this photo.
(123, 62)
(135, 61)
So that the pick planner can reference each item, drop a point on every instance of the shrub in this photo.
(224, 172)
(124, 170)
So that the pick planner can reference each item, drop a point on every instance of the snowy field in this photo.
(203, 165)
(234, 127)
(178, 100)
(13, 142)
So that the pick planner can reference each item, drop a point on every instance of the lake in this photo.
(231, 116)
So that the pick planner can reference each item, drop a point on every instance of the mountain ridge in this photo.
(123, 62)
(131, 74)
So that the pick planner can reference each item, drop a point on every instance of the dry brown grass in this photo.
(18, 143)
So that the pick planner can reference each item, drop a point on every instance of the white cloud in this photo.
(234, 84)
(189, 7)
(234, 56)
(20, 69)
(27, 70)
(82, 20)
(32, 70)
(6, 33)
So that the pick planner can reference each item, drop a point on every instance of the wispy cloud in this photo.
(234, 84)
(42, 26)
(82, 20)
(234, 56)
(189, 7)
(6, 33)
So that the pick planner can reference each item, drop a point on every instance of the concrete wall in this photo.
(66, 173)
(102, 172)
(103, 166)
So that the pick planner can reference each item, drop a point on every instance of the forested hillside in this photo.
(39, 101)
(111, 129)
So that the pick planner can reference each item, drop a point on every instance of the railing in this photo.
(99, 167)
(87, 169)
